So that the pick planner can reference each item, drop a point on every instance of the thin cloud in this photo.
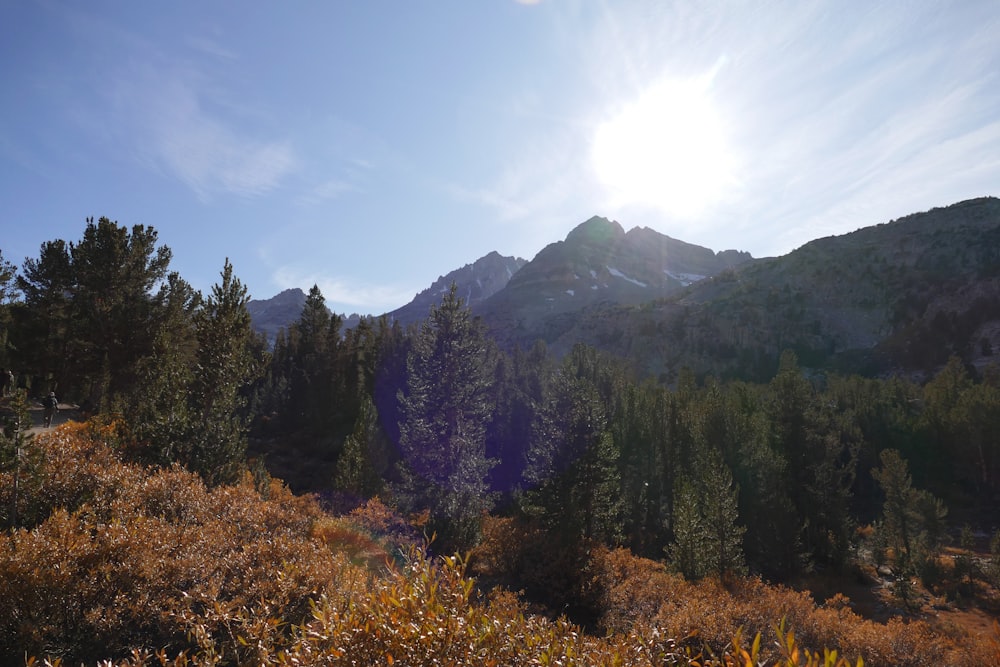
(211, 47)
(326, 191)
(845, 118)
(344, 295)
(169, 115)
(202, 150)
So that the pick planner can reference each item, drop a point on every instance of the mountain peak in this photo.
(596, 231)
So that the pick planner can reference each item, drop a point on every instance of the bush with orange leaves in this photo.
(146, 566)
(124, 556)
(637, 596)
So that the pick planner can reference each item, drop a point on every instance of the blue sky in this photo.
(369, 147)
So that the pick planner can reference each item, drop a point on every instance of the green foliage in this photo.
(365, 456)
(225, 368)
(160, 415)
(114, 271)
(912, 518)
(707, 537)
(446, 407)
(573, 462)
(46, 328)
(19, 458)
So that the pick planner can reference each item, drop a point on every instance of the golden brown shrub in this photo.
(132, 557)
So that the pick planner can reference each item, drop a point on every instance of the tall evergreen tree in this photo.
(573, 462)
(159, 413)
(445, 408)
(46, 323)
(686, 550)
(312, 385)
(114, 272)
(720, 511)
(364, 457)
(521, 388)
(820, 461)
(911, 518)
(224, 370)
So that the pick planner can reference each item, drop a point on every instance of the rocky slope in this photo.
(476, 282)
(268, 316)
(899, 297)
(598, 263)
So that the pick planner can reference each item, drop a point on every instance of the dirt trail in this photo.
(66, 412)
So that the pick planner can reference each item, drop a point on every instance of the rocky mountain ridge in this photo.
(269, 316)
(476, 282)
(898, 297)
(598, 263)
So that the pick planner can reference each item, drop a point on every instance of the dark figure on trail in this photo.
(51, 405)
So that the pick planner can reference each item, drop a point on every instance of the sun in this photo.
(666, 150)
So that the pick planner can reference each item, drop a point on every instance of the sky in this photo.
(370, 147)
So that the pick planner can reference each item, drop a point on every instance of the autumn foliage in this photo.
(142, 565)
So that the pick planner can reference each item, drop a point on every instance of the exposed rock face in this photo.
(896, 298)
(268, 316)
(598, 263)
(475, 282)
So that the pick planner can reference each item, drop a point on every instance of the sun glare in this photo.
(666, 150)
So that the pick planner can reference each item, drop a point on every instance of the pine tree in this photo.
(114, 272)
(364, 457)
(911, 518)
(521, 386)
(708, 538)
(573, 461)
(225, 369)
(446, 406)
(159, 414)
(8, 283)
(46, 324)
(720, 513)
(685, 552)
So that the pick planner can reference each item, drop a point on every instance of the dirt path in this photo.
(64, 414)
(67, 412)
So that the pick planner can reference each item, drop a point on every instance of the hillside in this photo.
(897, 297)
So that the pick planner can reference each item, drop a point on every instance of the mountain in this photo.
(598, 263)
(268, 316)
(475, 282)
(899, 297)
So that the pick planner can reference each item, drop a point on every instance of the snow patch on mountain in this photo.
(618, 274)
(684, 279)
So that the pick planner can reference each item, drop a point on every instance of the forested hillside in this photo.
(571, 480)
(893, 299)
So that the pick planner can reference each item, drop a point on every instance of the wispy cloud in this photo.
(158, 107)
(172, 129)
(326, 191)
(344, 294)
(212, 48)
